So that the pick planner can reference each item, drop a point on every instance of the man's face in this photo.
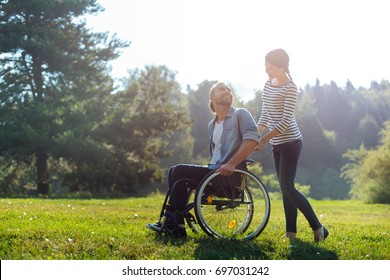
(222, 96)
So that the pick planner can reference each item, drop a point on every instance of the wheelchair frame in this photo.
(224, 206)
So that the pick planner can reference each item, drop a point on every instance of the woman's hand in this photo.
(259, 147)
(261, 144)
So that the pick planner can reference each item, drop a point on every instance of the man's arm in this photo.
(246, 148)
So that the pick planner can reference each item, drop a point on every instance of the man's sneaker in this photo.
(155, 227)
(158, 227)
(169, 228)
(180, 231)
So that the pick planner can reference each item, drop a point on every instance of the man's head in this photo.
(220, 94)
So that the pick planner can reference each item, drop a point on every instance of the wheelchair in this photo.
(233, 207)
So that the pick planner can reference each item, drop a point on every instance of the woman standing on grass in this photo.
(277, 114)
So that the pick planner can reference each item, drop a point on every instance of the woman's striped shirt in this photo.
(278, 112)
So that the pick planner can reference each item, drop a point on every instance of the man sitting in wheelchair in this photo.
(233, 137)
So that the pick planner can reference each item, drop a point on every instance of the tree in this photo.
(181, 143)
(201, 115)
(332, 120)
(265, 157)
(369, 170)
(53, 75)
(140, 125)
(123, 151)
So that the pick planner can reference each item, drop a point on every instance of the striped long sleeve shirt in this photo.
(278, 112)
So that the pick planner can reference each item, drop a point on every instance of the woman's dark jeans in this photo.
(286, 157)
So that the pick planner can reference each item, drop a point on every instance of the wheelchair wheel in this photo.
(235, 206)
(190, 213)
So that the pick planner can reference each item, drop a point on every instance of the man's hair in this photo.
(216, 86)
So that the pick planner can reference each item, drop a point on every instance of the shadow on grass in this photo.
(167, 239)
(207, 248)
(230, 249)
(300, 250)
(222, 249)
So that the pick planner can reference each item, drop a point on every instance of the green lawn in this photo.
(114, 229)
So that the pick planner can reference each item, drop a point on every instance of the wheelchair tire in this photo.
(190, 213)
(235, 206)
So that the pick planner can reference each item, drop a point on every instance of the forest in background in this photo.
(333, 121)
(66, 129)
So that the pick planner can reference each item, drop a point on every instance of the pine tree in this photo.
(53, 74)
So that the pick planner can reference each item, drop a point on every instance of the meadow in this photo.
(114, 229)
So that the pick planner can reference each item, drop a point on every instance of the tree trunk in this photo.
(42, 172)
(41, 154)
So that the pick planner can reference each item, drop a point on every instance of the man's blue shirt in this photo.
(238, 126)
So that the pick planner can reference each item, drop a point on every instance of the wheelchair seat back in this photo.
(226, 186)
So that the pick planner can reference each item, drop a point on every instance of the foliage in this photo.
(332, 120)
(63, 126)
(201, 115)
(98, 229)
(271, 182)
(124, 149)
(181, 142)
(60, 115)
(53, 78)
(265, 156)
(369, 170)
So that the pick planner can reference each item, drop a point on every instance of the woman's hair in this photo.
(279, 58)
(217, 85)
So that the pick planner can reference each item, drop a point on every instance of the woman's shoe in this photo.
(290, 235)
(320, 234)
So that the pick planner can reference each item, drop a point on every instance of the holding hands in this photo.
(261, 144)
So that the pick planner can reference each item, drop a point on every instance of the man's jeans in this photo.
(181, 177)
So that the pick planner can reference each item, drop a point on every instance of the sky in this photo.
(227, 40)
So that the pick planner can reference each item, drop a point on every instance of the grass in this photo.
(98, 229)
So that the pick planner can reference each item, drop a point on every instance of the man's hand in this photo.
(246, 148)
(226, 169)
